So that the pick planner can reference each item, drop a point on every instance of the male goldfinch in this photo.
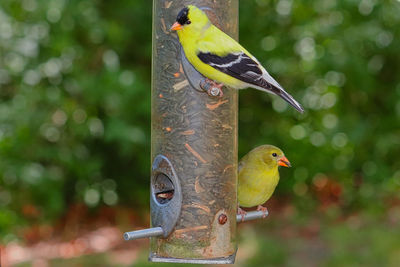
(220, 58)
(258, 176)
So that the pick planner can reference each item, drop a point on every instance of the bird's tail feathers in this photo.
(268, 84)
(288, 98)
(279, 91)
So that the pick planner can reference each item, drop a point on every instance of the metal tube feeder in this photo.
(194, 149)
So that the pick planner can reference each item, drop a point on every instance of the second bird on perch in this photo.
(220, 58)
(258, 176)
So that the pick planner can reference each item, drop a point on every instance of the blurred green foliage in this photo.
(75, 106)
(75, 103)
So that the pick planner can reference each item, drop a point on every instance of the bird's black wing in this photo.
(238, 65)
(244, 68)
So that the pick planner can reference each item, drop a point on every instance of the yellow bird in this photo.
(220, 58)
(258, 176)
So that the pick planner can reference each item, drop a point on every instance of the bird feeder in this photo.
(194, 149)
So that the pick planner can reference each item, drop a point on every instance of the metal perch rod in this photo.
(252, 215)
(155, 231)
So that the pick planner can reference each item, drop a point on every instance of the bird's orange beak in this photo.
(284, 162)
(176, 26)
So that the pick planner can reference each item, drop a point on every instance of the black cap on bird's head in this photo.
(182, 19)
(191, 17)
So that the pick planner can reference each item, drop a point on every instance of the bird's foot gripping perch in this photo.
(263, 209)
(198, 81)
(242, 213)
(243, 216)
(212, 88)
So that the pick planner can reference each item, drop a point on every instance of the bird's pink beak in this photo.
(284, 162)
(177, 26)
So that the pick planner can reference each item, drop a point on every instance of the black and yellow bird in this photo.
(220, 58)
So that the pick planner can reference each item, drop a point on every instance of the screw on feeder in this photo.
(222, 219)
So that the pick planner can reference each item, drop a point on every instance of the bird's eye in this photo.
(274, 154)
(188, 22)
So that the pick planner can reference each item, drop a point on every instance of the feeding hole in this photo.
(163, 188)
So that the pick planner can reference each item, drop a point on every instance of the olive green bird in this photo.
(258, 176)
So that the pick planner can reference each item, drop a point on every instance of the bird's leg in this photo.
(242, 213)
(263, 209)
(212, 88)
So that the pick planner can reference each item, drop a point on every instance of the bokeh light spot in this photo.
(330, 121)
(369, 168)
(317, 138)
(375, 64)
(301, 173)
(279, 104)
(300, 189)
(29, 5)
(110, 197)
(92, 197)
(32, 77)
(339, 140)
(111, 60)
(284, 7)
(59, 117)
(268, 43)
(127, 78)
(96, 127)
(297, 132)
(79, 116)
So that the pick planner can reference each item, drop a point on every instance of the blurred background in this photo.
(75, 131)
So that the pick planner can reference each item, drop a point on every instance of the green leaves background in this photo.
(75, 103)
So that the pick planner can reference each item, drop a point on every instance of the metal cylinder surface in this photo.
(198, 135)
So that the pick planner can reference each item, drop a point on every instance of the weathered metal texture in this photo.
(198, 135)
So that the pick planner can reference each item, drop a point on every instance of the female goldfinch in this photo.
(258, 176)
(220, 58)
